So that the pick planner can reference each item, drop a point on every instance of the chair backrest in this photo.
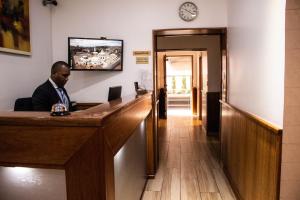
(136, 86)
(23, 104)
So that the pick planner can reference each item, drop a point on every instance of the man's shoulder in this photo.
(46, 86)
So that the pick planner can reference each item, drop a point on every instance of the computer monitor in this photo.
(114, 93)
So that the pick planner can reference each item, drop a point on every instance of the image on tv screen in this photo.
(95, 54)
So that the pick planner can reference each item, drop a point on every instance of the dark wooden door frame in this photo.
(222, 32)
(199, 93)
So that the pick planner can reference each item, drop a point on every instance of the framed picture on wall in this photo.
(14, 27)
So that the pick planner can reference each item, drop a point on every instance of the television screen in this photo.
(95, 54)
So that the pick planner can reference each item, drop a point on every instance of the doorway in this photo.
(213, 42)
(179, 78)
(212, 60)
(179, 84)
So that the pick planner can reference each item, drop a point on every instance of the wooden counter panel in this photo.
(251, 154)
(83, 143)
(118, 128)
(29, 146)
(84, 106)
(85, 175)
(45, 119)
(150, 146)
(92, 116)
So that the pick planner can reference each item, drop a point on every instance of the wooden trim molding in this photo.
(273, 128)
(251, 154)
(189, 31)
(84, 106)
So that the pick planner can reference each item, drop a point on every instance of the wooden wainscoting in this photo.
(251, 154)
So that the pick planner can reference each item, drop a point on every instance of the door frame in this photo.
(222, 32)
(199, 92)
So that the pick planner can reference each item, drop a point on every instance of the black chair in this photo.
(136, 86)
(162, 103)
(23, 104)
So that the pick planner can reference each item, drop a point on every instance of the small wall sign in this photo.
(142, 60)
(141, 53)
(141, 57)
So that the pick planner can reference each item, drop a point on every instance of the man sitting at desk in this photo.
(53, 91)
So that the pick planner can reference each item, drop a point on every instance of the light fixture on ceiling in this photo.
(51, 2)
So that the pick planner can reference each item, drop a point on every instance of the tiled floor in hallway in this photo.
(189, 168)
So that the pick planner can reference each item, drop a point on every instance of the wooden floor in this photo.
(189, 167)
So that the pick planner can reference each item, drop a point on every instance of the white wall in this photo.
(130, 20)
(256, 57)
(211, 43)
(19, 75)
(179, 66)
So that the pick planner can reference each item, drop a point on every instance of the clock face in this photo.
(188, 11)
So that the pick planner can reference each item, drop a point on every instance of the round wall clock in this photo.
(188, 11)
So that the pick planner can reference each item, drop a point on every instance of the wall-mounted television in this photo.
(95, 54)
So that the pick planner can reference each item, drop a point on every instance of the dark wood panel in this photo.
(84, 106)
(150, 146)
(84, 171)
(31, 146)
(194, 100)
(189, 31)
(213, 113)
(109, 176)
(89, 117)
(272, 128)
(204, 110)
(199, 103)
(251, 154)
(119, 127)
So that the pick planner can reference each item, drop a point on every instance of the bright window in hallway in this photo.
(179, 84)
(179, 81)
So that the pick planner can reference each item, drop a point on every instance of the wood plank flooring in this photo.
(189, 167)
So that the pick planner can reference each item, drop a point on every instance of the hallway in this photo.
(188, 164)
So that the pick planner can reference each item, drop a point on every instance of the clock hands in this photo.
(189, 12)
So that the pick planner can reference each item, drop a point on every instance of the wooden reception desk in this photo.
(83, 144)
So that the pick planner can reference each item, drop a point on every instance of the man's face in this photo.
(61, 76)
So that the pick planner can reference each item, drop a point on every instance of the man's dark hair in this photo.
(55, 67)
